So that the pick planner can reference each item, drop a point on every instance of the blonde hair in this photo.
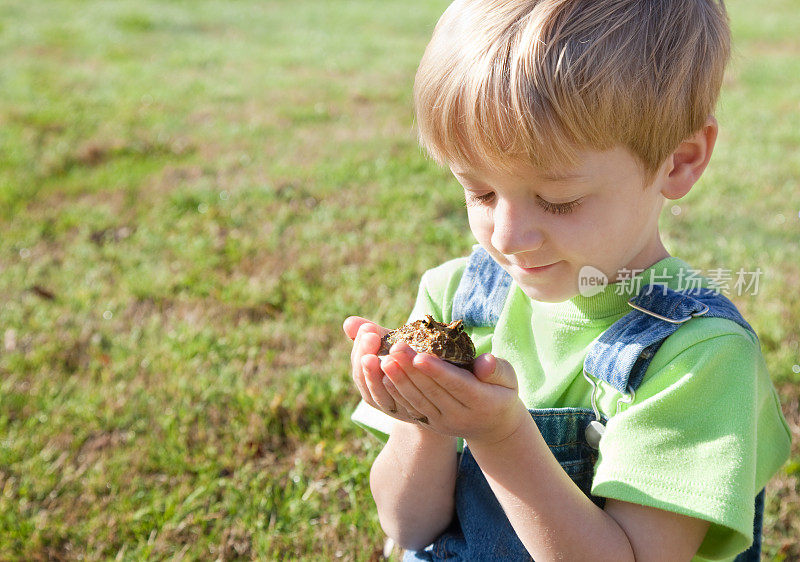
(506, 81)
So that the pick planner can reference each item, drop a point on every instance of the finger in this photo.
(493, 370)
(355, 358)
(373, 377)
(352, 324)
(367, 341)
(361, 383)
(428, 381)
(406, 387)
(404, 409)
(401, 350)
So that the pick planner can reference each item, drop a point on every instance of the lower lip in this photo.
(535, 270)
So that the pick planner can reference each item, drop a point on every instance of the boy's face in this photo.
(542, 228)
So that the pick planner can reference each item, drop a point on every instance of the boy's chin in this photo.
(550, 295)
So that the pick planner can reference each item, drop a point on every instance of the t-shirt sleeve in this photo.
(702, 437)
(435, 297)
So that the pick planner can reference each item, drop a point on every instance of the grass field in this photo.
(194, 195)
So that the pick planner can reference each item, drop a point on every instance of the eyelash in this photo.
(553, 208)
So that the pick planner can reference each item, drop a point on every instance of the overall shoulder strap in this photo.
(622, 354)
(482, 292)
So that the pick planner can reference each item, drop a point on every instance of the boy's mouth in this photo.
(538, 269)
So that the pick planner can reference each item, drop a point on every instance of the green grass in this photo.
(193, 195)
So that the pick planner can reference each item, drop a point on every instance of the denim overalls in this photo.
(480, 529)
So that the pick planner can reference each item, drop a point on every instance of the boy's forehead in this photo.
(479, 172)
(615, 164)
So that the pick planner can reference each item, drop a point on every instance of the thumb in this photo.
(493, 370)
(352, 325)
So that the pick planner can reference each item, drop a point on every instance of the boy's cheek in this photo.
(480, 225)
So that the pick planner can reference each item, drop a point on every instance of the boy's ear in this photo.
(685, 166)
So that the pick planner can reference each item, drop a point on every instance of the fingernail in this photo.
(403, 348)
(364, 364)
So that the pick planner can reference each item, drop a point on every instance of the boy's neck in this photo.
(654, 253)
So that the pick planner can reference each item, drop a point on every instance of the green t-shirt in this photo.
(705, 432)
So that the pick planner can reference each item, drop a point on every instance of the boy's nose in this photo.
(514, 230)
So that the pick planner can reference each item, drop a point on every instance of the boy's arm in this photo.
(413, 478)
(550, 514)
(413, 484)
(555, 520)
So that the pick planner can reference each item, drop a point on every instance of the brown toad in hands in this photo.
(447, 341)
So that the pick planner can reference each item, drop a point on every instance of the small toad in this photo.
(447, 341)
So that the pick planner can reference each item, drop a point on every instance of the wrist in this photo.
(419, 435)
(505, 431)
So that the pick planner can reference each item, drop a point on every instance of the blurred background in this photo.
(194, 195)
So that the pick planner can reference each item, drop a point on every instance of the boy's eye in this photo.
(553, 208)
(559, 208)
(478, 199)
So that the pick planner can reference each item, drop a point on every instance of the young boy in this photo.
(587, 430)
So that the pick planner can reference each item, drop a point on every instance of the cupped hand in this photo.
(483, 404)
(367, 374)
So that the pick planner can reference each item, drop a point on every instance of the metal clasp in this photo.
(664, 318)
(595, 429)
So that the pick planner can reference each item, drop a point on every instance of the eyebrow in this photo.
(555, 176)
(464, 175)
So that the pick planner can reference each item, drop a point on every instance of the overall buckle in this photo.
(664, 318)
